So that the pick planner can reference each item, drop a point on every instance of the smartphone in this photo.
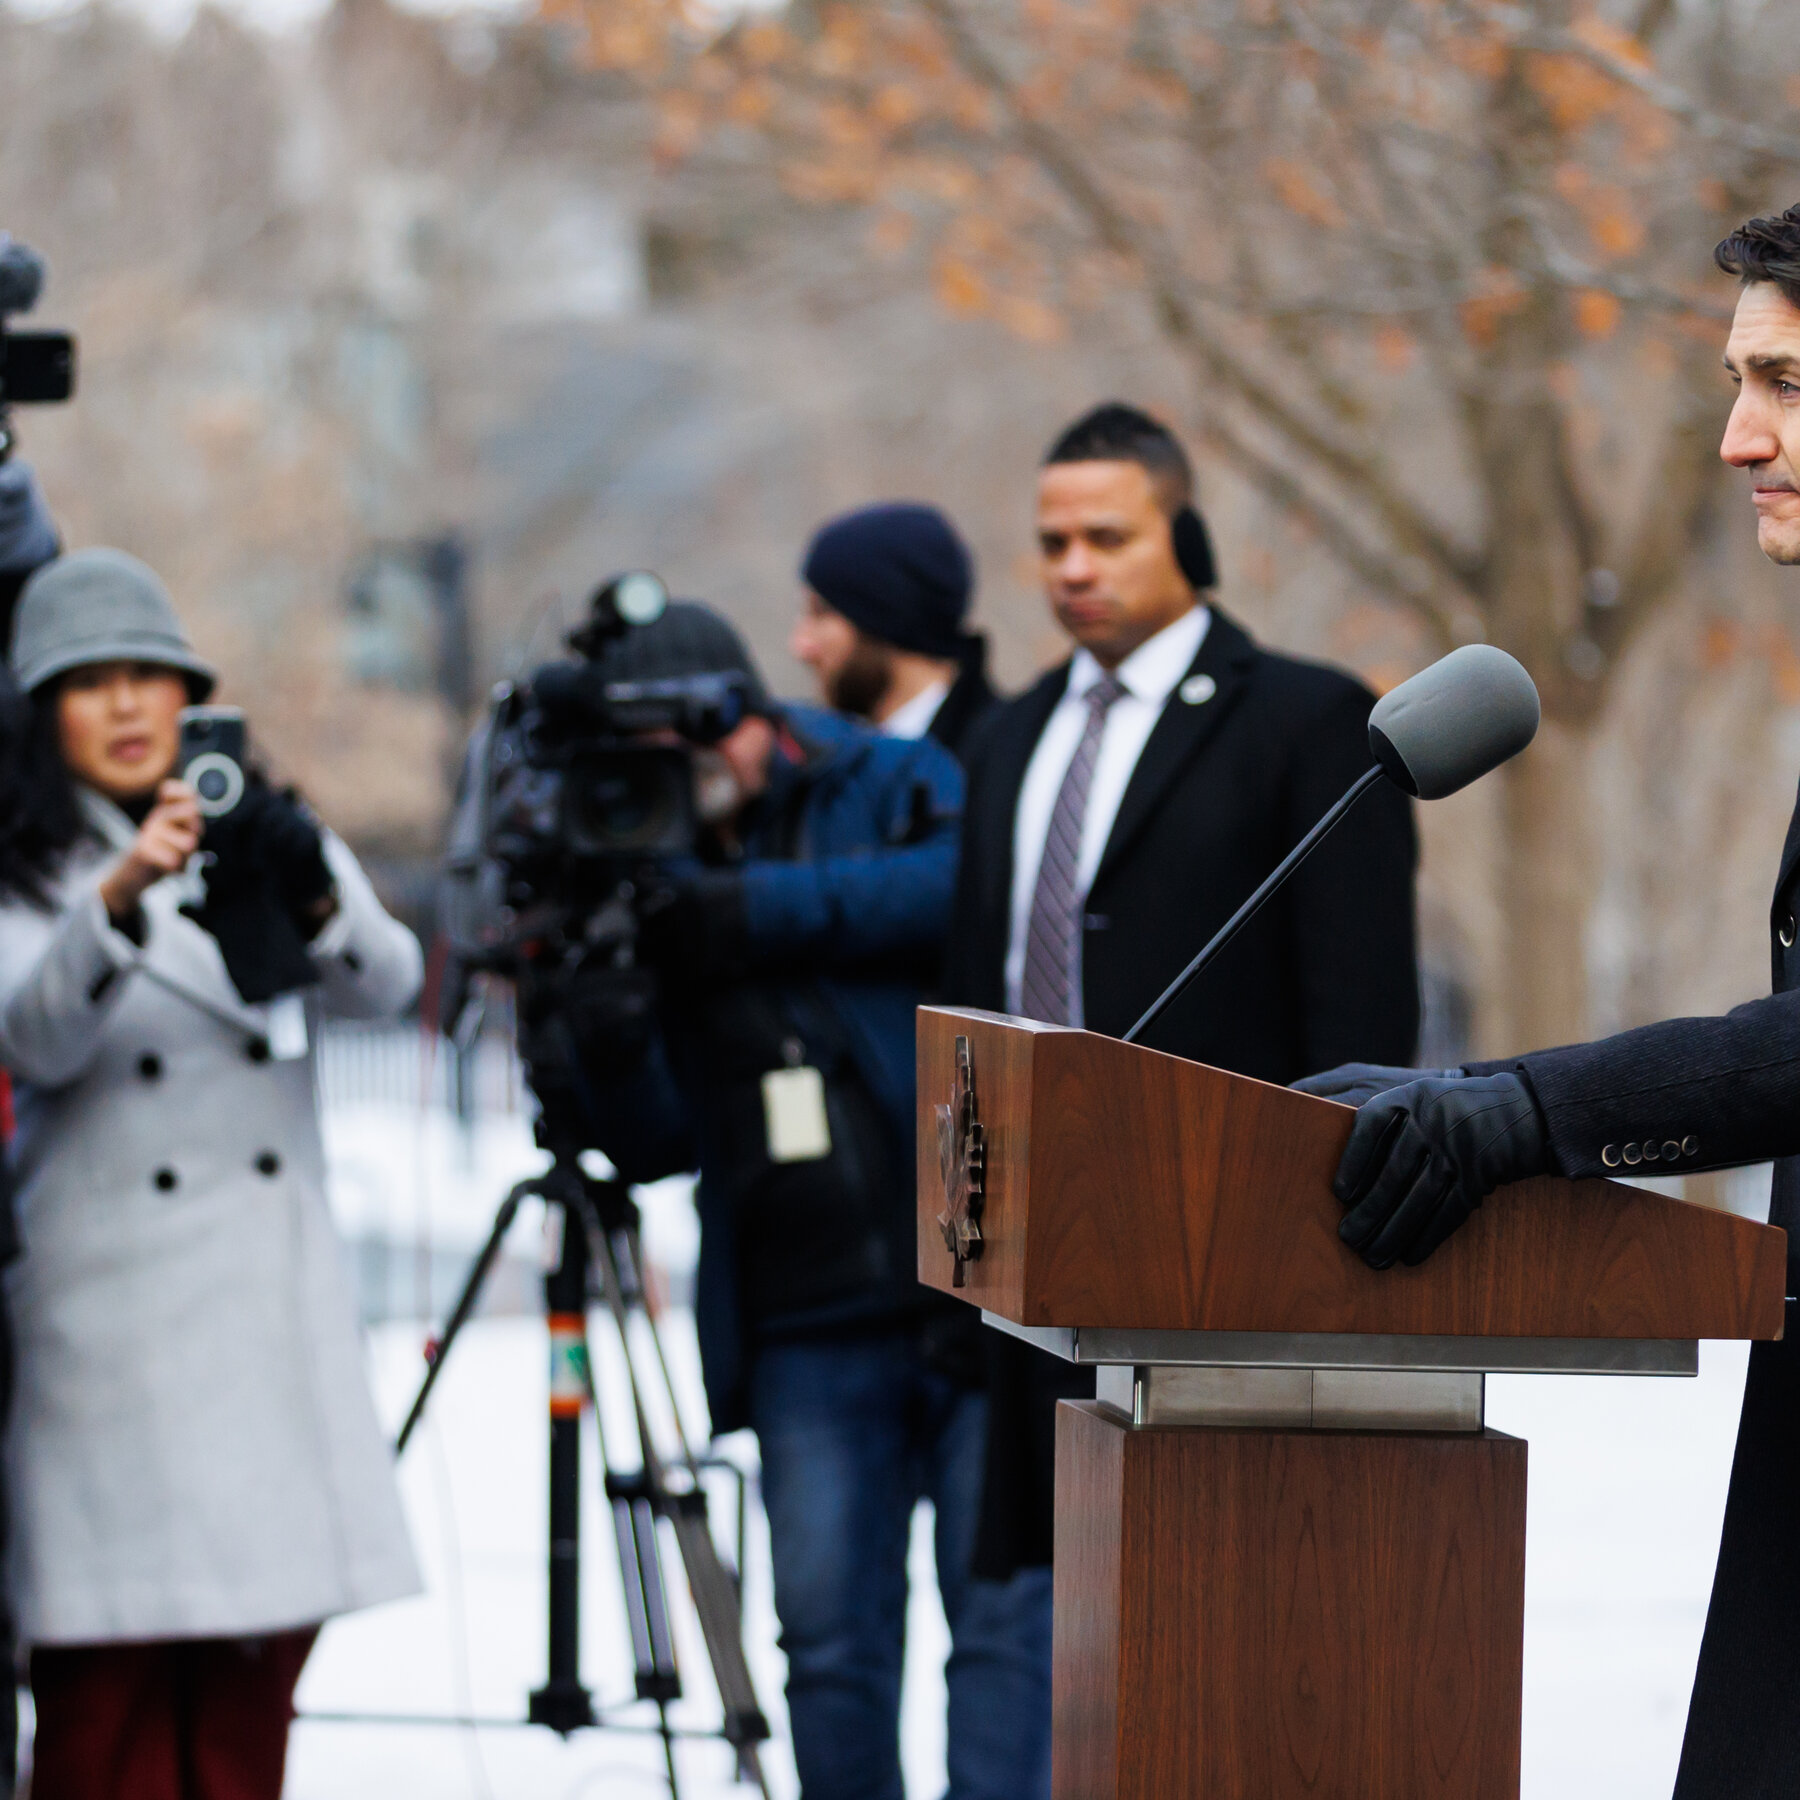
(212, 756)
(37, 368)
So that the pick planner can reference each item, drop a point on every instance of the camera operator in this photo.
(789, 957)
(196, 1468)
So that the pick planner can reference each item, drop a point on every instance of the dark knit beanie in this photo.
(689, 639)
(898, 572)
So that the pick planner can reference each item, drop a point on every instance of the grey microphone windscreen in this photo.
(21, 276)
(1454, 721)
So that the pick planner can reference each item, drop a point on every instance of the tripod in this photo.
(600, 1259)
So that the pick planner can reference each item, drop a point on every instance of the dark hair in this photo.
(1116, 432)
(1765, 249)
(40, 817)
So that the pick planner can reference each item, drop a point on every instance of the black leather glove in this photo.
(692, 927)
(1354, 1084)
(266, 882)
(1422, 1157)
(271, 838)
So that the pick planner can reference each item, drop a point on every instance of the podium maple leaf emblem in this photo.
(962, 1156)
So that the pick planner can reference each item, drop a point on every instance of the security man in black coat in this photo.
(1688, 1094)
(1118, 813)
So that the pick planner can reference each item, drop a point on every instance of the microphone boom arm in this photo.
(1245, 913)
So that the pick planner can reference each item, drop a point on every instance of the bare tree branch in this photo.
(1450, 615)
(1415, 535)
(1702, 120)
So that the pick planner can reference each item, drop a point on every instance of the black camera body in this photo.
(37, 368)
(571, 779)
(578, 786)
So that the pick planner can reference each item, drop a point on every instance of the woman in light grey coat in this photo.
(197, 1476)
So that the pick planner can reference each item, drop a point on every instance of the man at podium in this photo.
(1118, 812)
(1687, 1094)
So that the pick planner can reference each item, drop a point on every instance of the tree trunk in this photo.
(1547, 875)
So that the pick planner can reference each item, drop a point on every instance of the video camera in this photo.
(577, 793)
(37, 368)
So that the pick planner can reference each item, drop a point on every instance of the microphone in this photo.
(1449, 725)
(1454, 722)
(21, 276)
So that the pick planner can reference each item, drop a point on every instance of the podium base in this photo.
(1276, 1613)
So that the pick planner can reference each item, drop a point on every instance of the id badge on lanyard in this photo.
(794, 1110)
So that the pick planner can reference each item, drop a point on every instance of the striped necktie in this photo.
(1051, 990)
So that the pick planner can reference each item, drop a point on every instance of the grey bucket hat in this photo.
(98, 606)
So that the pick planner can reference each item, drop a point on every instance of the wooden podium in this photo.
(1290, 1556)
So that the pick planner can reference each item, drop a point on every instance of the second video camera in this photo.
(37, 368)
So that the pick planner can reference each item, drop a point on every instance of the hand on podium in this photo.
(1353, 1084)
(1422, 1157)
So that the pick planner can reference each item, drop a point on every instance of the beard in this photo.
(861, 684)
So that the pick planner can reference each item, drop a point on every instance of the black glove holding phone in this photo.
(268, 886)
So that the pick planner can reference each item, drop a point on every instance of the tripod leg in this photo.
(473, 1283)
(563, 1703)
(712, 1585)
(722, 1626)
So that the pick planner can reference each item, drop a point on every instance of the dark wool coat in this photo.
(1325, 974)
(969, 703)
(1708, 1094)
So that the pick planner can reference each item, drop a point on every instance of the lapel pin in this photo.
(1198, 689)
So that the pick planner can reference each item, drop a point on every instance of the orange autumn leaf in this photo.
(959, 289)
(1394, 348)
(1596, 313)
(1720, 642)
(890, 234)
(1296, 189)
(1030, 319)
(1616, 228)
(1502, 294)
(1575, 92)
(896, 106)
(1614, 41)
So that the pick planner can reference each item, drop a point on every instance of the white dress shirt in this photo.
(914, 719)
(1149, 676)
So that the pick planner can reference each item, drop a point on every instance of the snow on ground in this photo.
(1627, 1488)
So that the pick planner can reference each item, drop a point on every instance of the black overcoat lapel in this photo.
(1790, 851)
(1227, 656)
(1011, 739)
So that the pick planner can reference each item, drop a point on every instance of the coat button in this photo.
(150, 1066)
(1671, 1150)
(1633, 1155)
(165, 1180)
(268, 1163)
(257, 1050)
(1610, 1156)
(1651, 1150)
(1690, 1146)
(1785, 931)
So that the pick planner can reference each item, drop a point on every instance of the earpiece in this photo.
(1193, 549)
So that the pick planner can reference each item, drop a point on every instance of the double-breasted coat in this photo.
(1708, 1093)
(193, 1449)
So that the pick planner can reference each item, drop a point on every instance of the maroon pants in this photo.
(187, 1719)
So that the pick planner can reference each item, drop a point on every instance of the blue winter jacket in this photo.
(849, 869)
